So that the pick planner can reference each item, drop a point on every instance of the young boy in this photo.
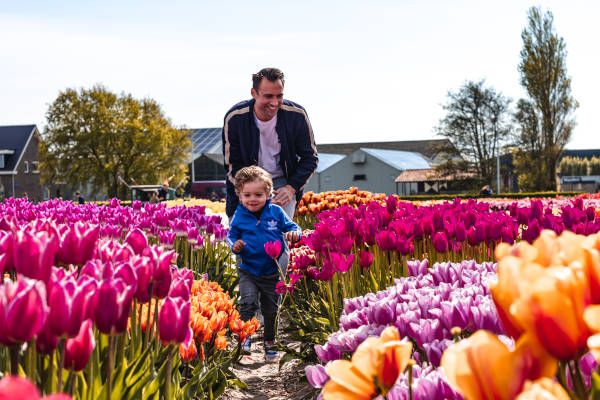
(257, 221)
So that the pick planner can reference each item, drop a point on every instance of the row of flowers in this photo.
(546, 298)
(74, 301)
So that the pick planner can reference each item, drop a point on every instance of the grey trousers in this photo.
(254, 288)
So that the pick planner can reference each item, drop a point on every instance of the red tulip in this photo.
(23, 310)
(273, 249)
(79, 349)
(33, 254)
(174, 320)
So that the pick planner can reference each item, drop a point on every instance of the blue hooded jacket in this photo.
(271, 225)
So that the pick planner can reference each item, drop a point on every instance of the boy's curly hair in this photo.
(251, 174)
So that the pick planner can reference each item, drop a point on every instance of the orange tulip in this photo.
(188, 354)
(376, 359)
(543, 389)
(481, 367)
(221, 342)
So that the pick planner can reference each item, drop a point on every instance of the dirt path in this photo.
(266, 382)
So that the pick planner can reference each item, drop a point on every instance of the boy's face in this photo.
(253, 195)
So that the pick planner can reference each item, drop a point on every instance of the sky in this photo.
(364, 71)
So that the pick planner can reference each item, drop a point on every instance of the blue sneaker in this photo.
(271, 353)
(247, 346)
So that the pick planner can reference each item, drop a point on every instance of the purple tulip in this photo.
(340, 262)
(23, 310)
(174, 320)
(78, 350)
(316, 375)
(45, 341)
(273, 249)
(68, 302)
(386, 240)
(365, 259)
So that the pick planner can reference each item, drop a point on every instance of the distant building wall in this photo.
(27, 179)
(372, 174)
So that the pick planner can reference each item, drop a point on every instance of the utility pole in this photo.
(498, 173)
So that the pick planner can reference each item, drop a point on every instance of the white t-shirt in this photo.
(269, 148)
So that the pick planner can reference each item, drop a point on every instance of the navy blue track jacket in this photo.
(271, 225)
(298, 157)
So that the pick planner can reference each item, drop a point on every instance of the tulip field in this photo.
(463, 299)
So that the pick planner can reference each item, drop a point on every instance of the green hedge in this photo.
(500, 196)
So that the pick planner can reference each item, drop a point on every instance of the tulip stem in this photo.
(148, 326)
(14, 360)
(169, 370)
(61, 364)
(110, 366)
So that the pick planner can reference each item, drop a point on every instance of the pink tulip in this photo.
(23, 310)
(45, 341)
(17, 388)
(6, 249)
(111, 306)
(167, 238)
(79, 349)
(77, 244)
(273, 249)
(162, 270)
(340, 262)
(440, 242)
(174, 320)
(34, 254)
(180, 288)
(137, 240)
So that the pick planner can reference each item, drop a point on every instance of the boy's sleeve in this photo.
(234, 232)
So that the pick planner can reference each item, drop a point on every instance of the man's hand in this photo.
(238, 246)
(291, 236)
(284, 195)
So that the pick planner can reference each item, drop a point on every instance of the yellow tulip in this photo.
(384, 358)
(543, 389)
(481, 367)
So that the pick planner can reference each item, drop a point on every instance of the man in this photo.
(79, 198)
(162, 192)
(272, 133)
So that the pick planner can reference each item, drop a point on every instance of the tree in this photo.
(96, 137)
(477, 124)
(545, 118)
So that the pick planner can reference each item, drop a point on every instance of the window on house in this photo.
(360, 177)
(1, 160)
(35, 167)
(26, 165)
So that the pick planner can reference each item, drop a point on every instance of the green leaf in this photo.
(595, 394)
(286, 358)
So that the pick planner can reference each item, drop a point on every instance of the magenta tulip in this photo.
(273, 249)
(6, 249)
(33, 254)
(174, 320)
(365, 259)
(77, 244)
(79, 349)
(440, 242)
(68, 302)
(45, 341)
(340, 262)
(17, 388)
(137, 240)
(23, 310)
(180, 288)
(111, 306)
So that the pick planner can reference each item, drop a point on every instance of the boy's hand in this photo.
(291, 236)
(238, 246)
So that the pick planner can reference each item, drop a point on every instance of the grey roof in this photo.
(585, 153)
(206, 140)
(326, 160)
(426, 147)
(15, 138)
(401, 160)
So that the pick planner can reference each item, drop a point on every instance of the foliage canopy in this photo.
(96, 137)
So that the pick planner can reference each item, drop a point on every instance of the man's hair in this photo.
(272, 74)
(252, 174)
(77, 192)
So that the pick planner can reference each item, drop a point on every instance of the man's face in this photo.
(268, 99)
